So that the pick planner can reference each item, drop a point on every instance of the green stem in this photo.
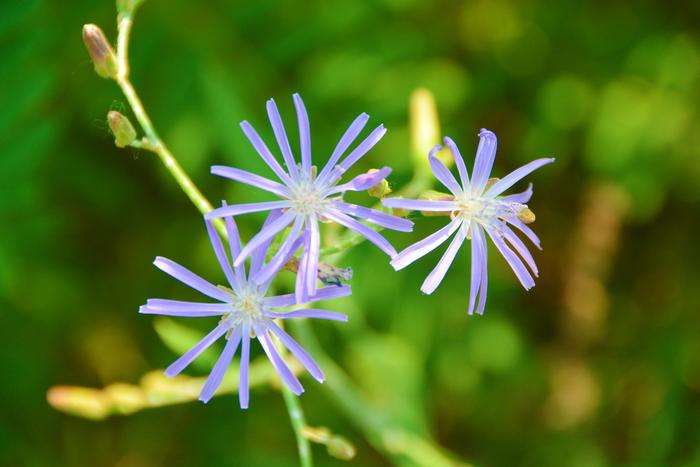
(153, 142)
(296, 416)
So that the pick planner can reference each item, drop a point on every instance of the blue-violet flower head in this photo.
(476, 209)
(244, 310)
(308, 198)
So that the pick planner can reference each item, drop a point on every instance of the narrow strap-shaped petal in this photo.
(356, 154)
(243, 385)
(234, 243)
(477, 261)
(345, 141)
(300, 284)
(282, 255)
(361, 182)
(217, 373)
(520, 247)
(515, 176)
(264, 152)
(281, 136)
(191, 279)
(512, 259)
(520, 225)
(251, 179)
(459, 161)
(298, 352)
(261, 238)
(521, 198)
(188, 357)
(237, 209)
(280, 366)
(220, 253)
(425, 246)
(259, 255)
(479, 239)
(376, 217)
(436, 275)
(370, 234)
(310, 313)
(420, 204)
(442, 173)
(485, 155)
(304, 133)
(312, 263)
(323, 293)
(156, 306)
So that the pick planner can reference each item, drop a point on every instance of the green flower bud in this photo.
(122, 129)
(340, 448)
(379, 190)
(101, 52)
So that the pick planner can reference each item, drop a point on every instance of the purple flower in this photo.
(308, 198)
(476, 209)
(244, 311)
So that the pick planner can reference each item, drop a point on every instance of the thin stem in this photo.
(153, 142)
(296, 416)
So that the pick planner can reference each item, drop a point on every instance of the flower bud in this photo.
(83, 402)
(425, 127)
(526, 215)
(101, 52)
(379, 190)
(340, 448)
(122, 129)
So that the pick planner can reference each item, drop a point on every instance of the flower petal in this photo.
(512, 259)
(345, 141)
(281, 136)
(264, 152)
(298, 352)
(479, 274)
(191, 279)
(520, 225)
(361, 182)
(234, 243)
(312, 264)
(459, 161)
(310, 313)
(237, 209)
(188, 357)
(282, 255)
(420, 204)
(485, 155)
(259, 255)
(243, 385)
(521, 198)
(435, 277)
(220, 254)
(156, 306)
(217, 373)
(442, 173)
(425, 246)
(356, 154)
(323, 293)
(262, 237)
(520, 247)
(251, 179)
(281, 367)
(513, 177)
(368, 233)
(374, 216)
(304, 133)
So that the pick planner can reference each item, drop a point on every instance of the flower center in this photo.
(485, 210)
(307, 199)
(246, 308)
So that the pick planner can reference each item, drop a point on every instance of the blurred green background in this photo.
(598, 365)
